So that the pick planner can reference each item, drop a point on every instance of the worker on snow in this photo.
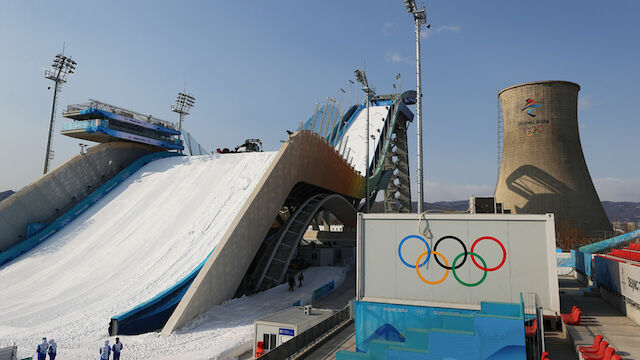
(292, 282)
(105, 351)
(117, 348)
(42, 349)
(53, 349)
(300, 279)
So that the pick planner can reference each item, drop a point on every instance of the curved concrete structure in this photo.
(543, 169)
(305, 158)
(50, 196)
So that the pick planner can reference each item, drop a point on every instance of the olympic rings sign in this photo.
(442, 261)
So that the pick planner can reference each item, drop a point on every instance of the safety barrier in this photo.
(323, 290)
(78, 209)
(301, 341)
(152, 314)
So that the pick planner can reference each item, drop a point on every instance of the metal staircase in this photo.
(283, 248)
(273, 266)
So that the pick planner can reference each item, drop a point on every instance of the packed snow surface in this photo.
(355, 137)
(141, 238)
(224, 327)
(216, 334)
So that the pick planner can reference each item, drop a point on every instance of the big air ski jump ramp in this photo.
(178, 230)
(167, 237)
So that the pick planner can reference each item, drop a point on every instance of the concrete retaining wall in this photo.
(304, 158)
(59, 190)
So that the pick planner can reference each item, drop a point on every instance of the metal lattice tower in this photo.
(60, 68)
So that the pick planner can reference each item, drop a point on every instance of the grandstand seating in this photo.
(626, 253)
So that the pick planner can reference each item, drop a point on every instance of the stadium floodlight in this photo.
(183, 105)
(420, 18)
(61, 67)
(361, 77)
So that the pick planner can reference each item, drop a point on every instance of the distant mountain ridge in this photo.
(622, 211)
(6, 194)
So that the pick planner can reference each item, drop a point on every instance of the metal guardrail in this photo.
(301, 341)
(532, 310)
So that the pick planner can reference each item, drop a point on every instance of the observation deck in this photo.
(101, 122)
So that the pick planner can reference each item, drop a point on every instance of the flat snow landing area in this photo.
(213, 334)
(210, 336)
(141, 238)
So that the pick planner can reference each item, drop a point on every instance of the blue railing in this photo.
(33, 241)
(610, 243)
(78, 125)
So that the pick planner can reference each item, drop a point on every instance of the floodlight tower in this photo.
(362, 79)
(61, 67)
(184, 103)
(420, 18)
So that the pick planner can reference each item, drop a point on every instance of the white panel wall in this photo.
(529, 266)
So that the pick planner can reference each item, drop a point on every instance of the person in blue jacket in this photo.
(117, 348)
(105, 351)
(42, 349)
(53, 349)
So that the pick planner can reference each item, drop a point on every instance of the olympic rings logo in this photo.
(442, 261)
(533, 130)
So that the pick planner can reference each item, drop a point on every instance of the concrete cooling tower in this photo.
(543, 169)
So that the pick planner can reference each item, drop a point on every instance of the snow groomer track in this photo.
(169, 218)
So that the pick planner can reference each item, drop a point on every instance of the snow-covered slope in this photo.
(355, 136)
(141, 238)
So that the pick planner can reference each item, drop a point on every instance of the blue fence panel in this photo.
(33, 241)
(323, 290)
(456, 333)
(583, 262)
(607, 272)
(566, 261)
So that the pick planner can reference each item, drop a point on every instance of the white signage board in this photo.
(630, 282)
(456, 260)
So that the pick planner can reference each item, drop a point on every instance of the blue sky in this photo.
(257, 68)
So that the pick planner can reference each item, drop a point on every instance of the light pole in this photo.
(362, 79)
(61, 67)
(350, 83)
(420, 18)
(184, 103)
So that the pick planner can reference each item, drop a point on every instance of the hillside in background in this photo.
(622, 211)
(6, 194)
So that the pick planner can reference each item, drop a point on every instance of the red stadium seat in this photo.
(573, 318)
(530, 330)
(606, 355)
(597, 355)
(596, 343)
